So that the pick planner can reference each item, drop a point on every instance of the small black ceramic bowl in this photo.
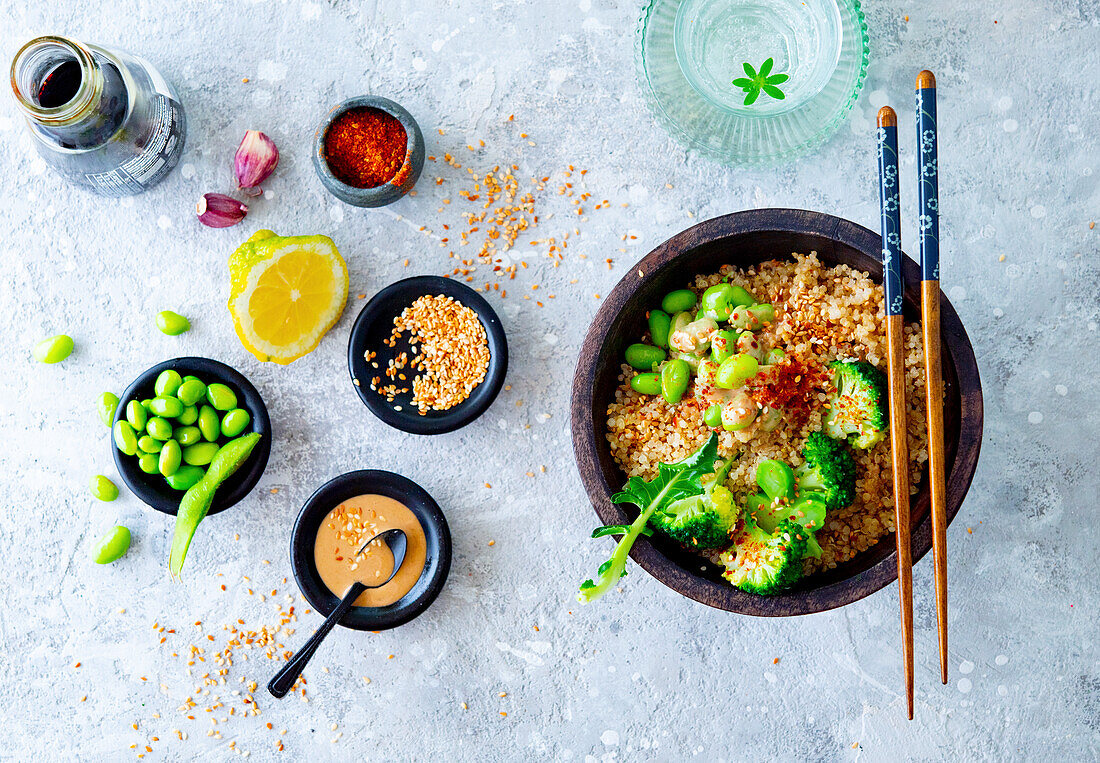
(403, 180)
(372, 482)
(151, 488)
(375, 324)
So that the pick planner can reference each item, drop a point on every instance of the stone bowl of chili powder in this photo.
(368, 151)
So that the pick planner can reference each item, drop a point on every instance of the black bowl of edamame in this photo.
(235, 408)
(371, 332)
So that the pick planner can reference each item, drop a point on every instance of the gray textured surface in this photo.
(642, 675)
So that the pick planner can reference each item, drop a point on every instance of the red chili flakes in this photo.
(792, 385)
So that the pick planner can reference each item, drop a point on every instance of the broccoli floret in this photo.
(701, 521)
(857, 411)
(829, 472)
(766, 563)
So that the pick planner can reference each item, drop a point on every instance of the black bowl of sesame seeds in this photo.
(427, 355)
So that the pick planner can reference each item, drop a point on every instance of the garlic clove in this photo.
(216, 210)
(255, 159)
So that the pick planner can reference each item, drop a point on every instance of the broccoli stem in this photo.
(615, 567)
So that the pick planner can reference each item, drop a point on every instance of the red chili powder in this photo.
(791, 385)
(365, 147)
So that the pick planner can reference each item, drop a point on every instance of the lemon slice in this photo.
(286, 292)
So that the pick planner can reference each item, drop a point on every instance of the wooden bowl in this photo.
(743, 239)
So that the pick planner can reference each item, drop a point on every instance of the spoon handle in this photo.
(286, 678)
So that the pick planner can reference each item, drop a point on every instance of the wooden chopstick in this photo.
(929, 234)
(895, 347)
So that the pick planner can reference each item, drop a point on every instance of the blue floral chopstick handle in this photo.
(891, 215)
(928, 228)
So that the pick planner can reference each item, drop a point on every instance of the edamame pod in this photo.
(644, 356)
(105, 406)
(124, 437)
(660, 323)
(646, 384)
(111, 546)
(196, 501)
(678, 301)
(675, 375)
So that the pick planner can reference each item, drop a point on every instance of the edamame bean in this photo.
(166, 407)
(147, 444)
(713, 416)
(678, 301)
(158, 429)
(147, 462)
(748, 344)
(105, 406)
(738, 413)
(191, 392)
(235, 422)
(170, 457)
(675, 375)
(680, 321)
(644, 356)
(184, 477)
(167, 383)
(221, 397)
(200, 454)
(54, 349)
(704, 374)
(102, 488)
(764, 312)
(659, 324)
(136, 415)
(741, 296)
(146, 403)
(190, 377)
(111, 546)
(187, 435)
(722, 345)
(189, 416)
(646, 384)
(209, 424)
(172, 324)
(774, 355)
(736, 371)
(715, 303)
(125, 439)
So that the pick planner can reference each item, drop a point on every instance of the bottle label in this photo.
(157, 158)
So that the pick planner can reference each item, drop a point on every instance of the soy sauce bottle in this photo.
(103, 119)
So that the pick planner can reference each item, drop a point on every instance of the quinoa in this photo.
(822, 314)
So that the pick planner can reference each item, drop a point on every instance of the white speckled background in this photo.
(642, 675)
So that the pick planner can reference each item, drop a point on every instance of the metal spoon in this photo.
(286, 678)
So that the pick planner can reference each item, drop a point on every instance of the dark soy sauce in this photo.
(60, 85)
